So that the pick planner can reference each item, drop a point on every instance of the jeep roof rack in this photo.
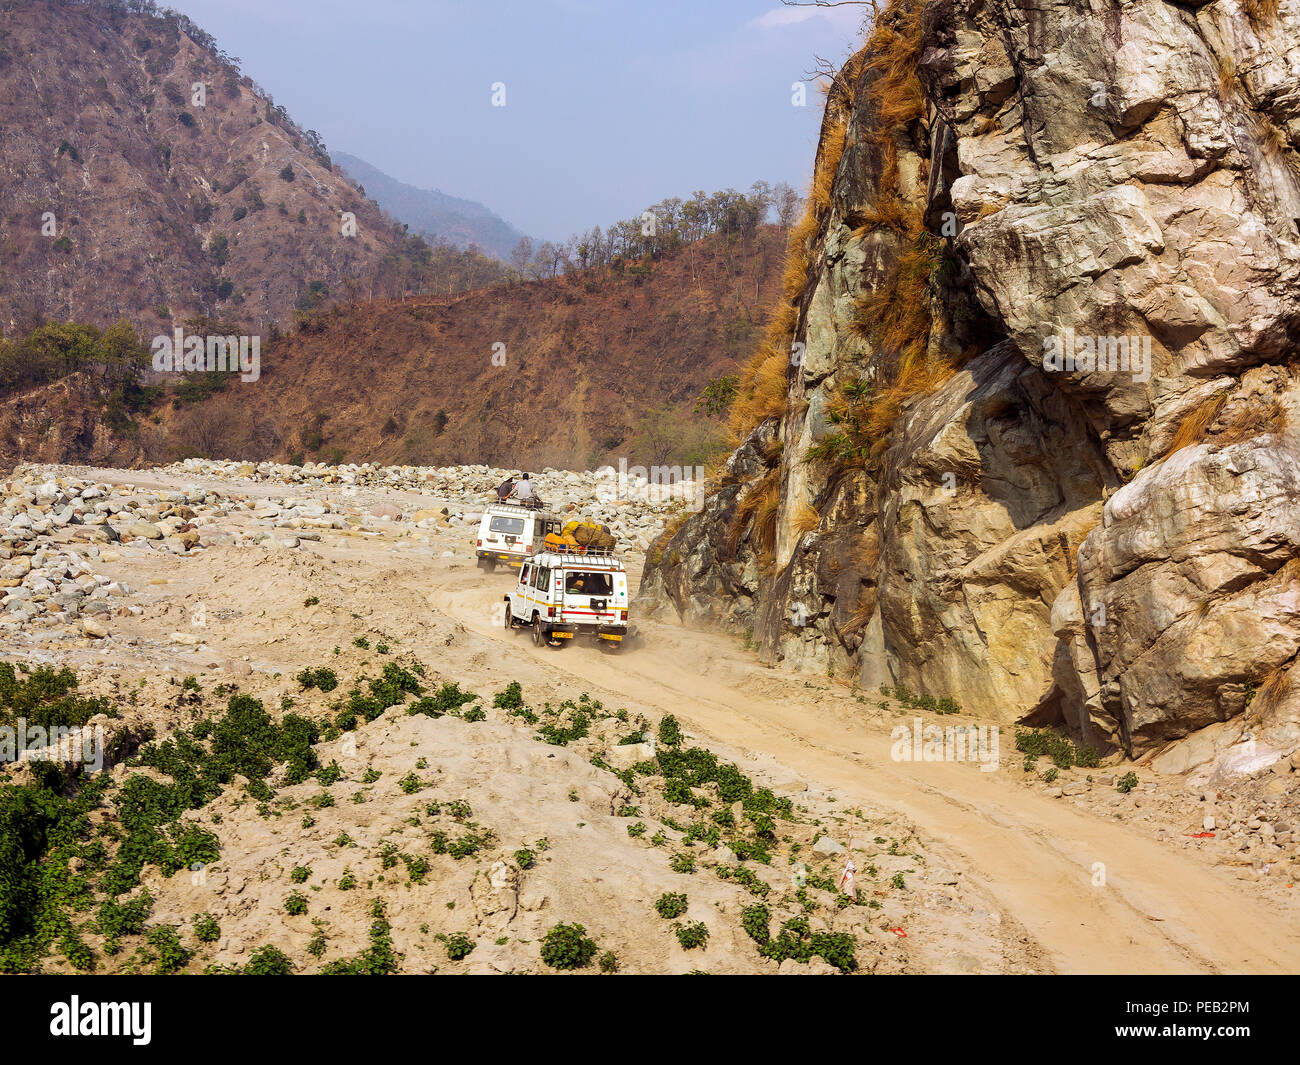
(542, 511)
(578, 558)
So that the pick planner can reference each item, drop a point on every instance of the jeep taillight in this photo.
(550, 611)
(480, 543)
(622, 615)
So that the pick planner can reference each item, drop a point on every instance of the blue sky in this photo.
(609, 106)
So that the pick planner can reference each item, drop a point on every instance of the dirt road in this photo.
(1091, 886)
(1098, 896)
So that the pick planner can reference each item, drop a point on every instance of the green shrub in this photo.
(379, 959)
(171, 955)
(458, 946)
(77, 951)
(449, 697)
(510, 699)
(206, 928)
(324, 678)
(678, 792)
(566, 946)
(796, 940)
(756, 921)
(692, 936)
(268, 961)
(670, 905)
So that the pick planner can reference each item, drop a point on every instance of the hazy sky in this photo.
(610, 106)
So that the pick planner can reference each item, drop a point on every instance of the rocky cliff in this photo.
(1022, 432)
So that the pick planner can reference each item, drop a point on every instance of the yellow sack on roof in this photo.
(589, 535)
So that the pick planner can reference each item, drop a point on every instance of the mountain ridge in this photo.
(433, 213)
(143, 176)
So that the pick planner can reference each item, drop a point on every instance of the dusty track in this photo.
(1159, 911)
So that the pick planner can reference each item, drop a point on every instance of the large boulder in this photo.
(1189, 596)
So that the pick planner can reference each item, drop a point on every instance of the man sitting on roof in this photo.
(505, 488)
(525, 493)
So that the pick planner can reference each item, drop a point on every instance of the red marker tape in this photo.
(1200, 835)
(899, 932)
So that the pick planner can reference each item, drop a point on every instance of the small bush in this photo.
(510, 699)
(756, 921)
(566, 946)
(206, 928)
(670, 905)
(458, 946)
(682, 863)
(268, 961)
(171, 955)
(325, 679)
(692, 936)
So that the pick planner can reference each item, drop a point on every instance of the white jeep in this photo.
(510, 532)
(561, 595)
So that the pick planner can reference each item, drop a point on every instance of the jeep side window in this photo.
(526, 574)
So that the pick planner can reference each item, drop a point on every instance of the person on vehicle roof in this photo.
(525, 493)
(505, 488)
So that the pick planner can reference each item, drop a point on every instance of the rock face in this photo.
(1191, 595)
(1073, 495)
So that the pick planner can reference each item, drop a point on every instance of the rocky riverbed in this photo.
(59, 526)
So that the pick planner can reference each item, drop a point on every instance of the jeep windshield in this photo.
(578, 583)
(507, 526)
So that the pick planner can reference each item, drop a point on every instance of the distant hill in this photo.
(124, 193)
(432, 213)
(593, 366)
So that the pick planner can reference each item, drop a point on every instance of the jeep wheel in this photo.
(510, 616)
(539, 637)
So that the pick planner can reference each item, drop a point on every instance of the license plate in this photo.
(563, 635)
(608, 636)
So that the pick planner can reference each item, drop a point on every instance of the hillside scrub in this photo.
(74, 865)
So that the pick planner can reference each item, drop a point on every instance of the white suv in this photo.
(562, 595)
(510, 532)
